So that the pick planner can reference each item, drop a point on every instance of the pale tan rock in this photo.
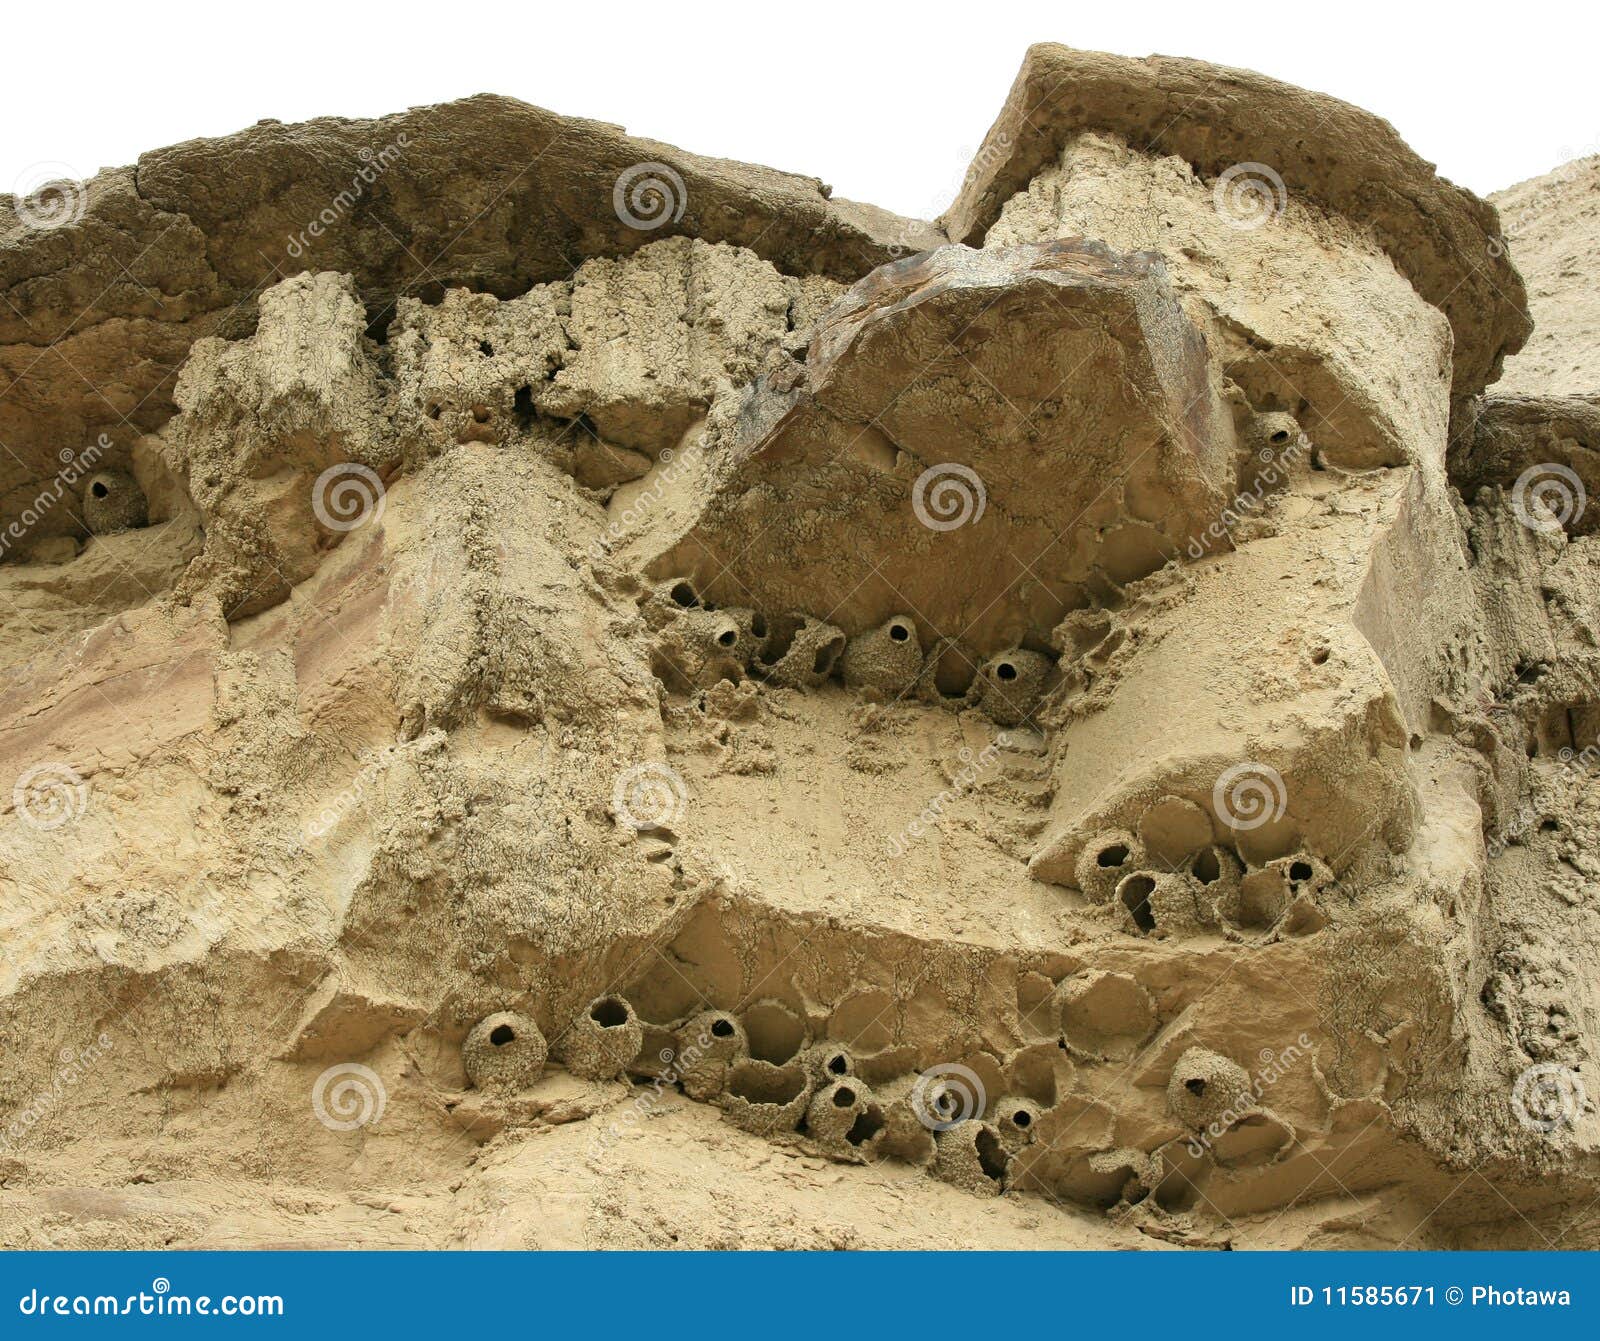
(1297, 805)
(1550, 232)
(1214, 118)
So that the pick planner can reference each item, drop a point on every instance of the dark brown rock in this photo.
(1533, 439)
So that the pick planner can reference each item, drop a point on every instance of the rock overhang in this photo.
(1444, 239)
(495, 195)
(486, 193)
(1041, 421)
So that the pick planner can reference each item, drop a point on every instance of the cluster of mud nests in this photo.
(985, 1124)
(698, 644)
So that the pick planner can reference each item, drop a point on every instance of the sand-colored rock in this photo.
(486, 193)
(1332, 155)
(850, 494)
(528, 755)
(1551, 231)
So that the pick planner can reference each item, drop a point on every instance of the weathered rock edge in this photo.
(1444, 239)
(1504, 439)
(487, 193)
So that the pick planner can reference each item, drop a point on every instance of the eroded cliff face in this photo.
(655, 707)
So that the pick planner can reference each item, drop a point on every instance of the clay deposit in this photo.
(563, 694)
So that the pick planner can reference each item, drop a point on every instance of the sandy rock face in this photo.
(486, 193)
(1550, 228)
(1229, 125)
(658, 734)
(1055, 395)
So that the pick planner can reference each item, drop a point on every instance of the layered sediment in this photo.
(559, 693)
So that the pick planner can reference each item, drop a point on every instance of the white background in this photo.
(886, 102)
